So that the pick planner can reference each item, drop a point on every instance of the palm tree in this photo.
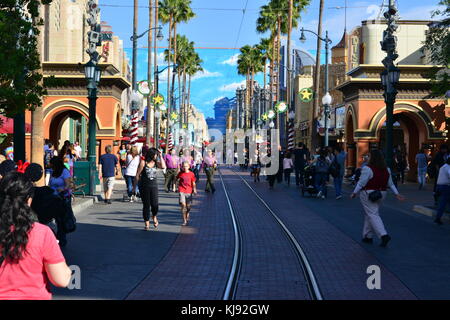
(173, 12)
(250, 62)
(275, 17)
(265, 46)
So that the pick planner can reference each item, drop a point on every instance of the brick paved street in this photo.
(119, 260)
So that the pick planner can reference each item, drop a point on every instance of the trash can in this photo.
(81, 177)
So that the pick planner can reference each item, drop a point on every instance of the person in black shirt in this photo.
(300, 160)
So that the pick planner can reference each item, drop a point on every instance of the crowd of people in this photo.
(139, 168)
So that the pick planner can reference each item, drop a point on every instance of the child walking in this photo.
(186, 186)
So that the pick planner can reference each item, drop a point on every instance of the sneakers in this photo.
(438, 221)
(367, 240)
(384, 240)
(323, 197)
(338, 197)
(132, 198)
(319, 194)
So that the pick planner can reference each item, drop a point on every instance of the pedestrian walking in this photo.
(198, 160)
(371, 187)
(438, 161)
(300, 161)
(122, 154)
(172, 164)
(255, 166)
(108, 169)
(29, 256)
(133, 161)
(339, 165)
(422, 166)
(146, 178)
(321, 173)
(443, 188)
(69, 159)
(78, 150)
(401, 161)
(288, 164)
(210, 165)
(61, 182)
(48, 156)
(281, 154)
(186, 187)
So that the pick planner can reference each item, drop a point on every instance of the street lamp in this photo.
(326, 101)
(327, 43)
(390, 77)
(134, 39)
(93, 74)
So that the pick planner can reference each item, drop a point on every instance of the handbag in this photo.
(69, 222)
(376, 195)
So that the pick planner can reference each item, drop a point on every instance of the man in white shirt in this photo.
(443, 189)
(78, 150)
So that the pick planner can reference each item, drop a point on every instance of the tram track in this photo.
(235, 271)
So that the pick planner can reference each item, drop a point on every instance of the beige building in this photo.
(359, 48)
(64, 43)
(199, 126)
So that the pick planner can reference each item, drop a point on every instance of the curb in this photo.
(81, 204)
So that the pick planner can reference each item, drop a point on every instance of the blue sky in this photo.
(218, 22)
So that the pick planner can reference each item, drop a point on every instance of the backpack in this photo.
(322, 166)
(335, 168)
(47, 158)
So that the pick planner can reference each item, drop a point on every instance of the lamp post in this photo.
(390, 76)
(134, 39)
(326, 101)
(93, 74)
(157, 132)
(325, 89)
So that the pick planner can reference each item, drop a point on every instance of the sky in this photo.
(226, 25)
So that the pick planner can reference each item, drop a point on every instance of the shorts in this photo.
(108, 183)
(185, 198)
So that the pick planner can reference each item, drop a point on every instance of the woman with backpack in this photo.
(372, 185)
(146, 178)
(321, 172)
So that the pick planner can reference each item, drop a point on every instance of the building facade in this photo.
(66, 111)
(420, 119)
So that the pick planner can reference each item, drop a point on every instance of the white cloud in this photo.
(213, 101)
(206, 74)
(232, 86)
(232, 61)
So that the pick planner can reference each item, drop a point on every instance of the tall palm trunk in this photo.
(315, 107)
(37, 118)
(168, 98)
(148, 131)
(288, 64)
(288, 55)
(155, 62)
(265, 72)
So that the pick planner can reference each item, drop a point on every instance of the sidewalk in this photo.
(111, 248)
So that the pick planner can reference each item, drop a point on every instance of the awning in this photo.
(7, 125)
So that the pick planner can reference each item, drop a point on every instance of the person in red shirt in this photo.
(29, 252)
(186, 186)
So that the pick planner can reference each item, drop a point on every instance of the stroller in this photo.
(308, 181)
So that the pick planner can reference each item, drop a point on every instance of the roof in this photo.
(342, 43)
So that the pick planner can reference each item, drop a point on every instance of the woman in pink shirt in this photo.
(29, 252)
